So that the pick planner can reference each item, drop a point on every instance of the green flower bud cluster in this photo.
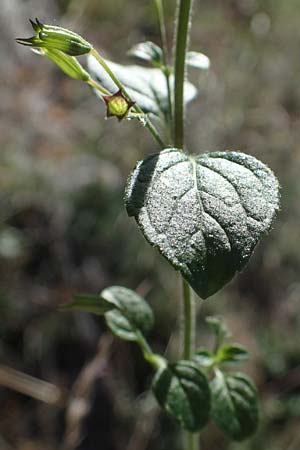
(56, 38)
(62, 46)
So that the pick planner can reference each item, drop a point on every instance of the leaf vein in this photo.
(198, 189)
(247, 214)
(178, 200)
(240, 165)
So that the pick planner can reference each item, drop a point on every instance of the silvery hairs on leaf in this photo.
(205, 214)
(234, 405)
(182, 390)
(132, 313)
(147, 87)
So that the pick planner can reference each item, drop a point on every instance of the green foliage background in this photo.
(64, 228)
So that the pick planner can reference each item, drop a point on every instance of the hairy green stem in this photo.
(181, 43)
(148, 124)
(189, 321)
(192, 441)
(97, 86)
(182, 34)
(162, 28)
(155, 360)
(164, 43)
(189, 334)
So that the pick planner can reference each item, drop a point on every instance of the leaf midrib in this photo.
(230, 400)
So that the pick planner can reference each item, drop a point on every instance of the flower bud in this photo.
(68, 64)
(117, 105)
(56, 38)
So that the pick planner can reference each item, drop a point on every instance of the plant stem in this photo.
(162, 28)
(97, 86)
(189, 329)
(181, 42)
(192, 441)
(189, 334)
(183, 22)
(164, 43)
(182, 34)
(189, 321)
(155, 360)
(148, 124)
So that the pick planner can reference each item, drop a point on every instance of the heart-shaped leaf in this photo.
(205, 214)
(146, 86)
(131, 314)
(182, 390)
(234, 405)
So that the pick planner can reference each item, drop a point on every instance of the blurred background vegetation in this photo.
(64, 229)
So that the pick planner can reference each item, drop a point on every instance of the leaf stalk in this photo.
(157, 361)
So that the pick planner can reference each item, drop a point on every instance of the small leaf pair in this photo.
(223, 353)
(230, 400)
(126, 313)
(226, 354)
(181, 388)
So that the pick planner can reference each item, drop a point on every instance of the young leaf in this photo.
(182, 390)
(147, 87)
(197, 60)
(232, 353)
(219, 328)
(148, 51)
(92, 303)
(234, 405)
(131, 313)
(205, 214)
(204, 358)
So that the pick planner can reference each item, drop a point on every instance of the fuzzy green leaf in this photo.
(232, 353)
(148, 51)
(182, 391)
(197, 60)
(92, 303)
(234, 405)
(204, 358)
(146, 86)
(205, 214)
(131, 314)
(219, 328)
